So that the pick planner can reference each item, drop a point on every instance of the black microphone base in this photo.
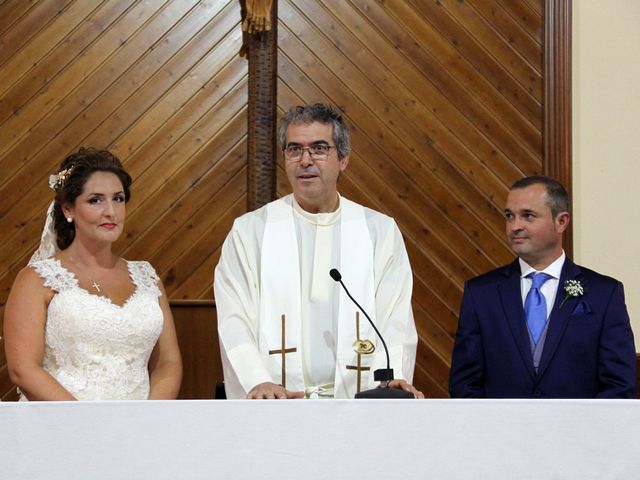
(385, 392)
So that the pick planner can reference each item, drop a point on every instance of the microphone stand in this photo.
(382, 375)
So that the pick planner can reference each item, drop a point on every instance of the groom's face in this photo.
(533, 233)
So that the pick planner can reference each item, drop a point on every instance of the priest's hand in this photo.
(271, 391)
(403, 385)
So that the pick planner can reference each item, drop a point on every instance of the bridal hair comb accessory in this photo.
(56, 181)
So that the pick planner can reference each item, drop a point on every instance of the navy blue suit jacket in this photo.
(589, 350)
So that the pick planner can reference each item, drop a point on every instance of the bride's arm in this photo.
(24, 323)
(165, 364)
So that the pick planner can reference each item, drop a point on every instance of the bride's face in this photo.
(99, 211)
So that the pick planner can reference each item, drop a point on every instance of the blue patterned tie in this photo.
(535, 306)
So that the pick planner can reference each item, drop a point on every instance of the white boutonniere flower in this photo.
(572, 289)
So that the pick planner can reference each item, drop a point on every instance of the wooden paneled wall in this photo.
(444, 99)
(161, 84)
(198, 340)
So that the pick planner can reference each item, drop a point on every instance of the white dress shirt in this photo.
(550, 288)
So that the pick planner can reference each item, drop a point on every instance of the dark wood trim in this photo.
(262, 152)
(556, 129)
(191, 303)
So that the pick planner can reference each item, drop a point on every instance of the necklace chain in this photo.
(94, 283)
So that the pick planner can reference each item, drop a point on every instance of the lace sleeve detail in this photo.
(145, 277)
(54, 275)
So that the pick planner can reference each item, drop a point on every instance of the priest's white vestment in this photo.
(276, 261)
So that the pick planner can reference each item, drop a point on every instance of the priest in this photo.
(286, 329)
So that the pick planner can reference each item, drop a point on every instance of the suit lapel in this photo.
(559, 316)
(511, 298)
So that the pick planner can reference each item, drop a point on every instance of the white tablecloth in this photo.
(318, 439)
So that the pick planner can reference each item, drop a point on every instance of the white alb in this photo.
(96, 349)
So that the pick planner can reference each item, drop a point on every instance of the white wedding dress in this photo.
(96, 349)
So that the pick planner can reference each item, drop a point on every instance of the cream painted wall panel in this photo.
(606, 142)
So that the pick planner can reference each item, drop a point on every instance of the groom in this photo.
(542, 327)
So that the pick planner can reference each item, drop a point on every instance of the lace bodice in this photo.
(96, 349)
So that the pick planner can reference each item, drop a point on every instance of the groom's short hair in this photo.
(557, 196)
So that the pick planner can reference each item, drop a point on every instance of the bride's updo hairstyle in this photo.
(69, 181)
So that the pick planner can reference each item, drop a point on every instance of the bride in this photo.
(82, 323)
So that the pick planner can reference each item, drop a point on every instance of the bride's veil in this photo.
(48, 246)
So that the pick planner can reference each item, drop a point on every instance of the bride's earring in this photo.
(69, 220)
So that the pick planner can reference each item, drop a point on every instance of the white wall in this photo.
(606, 142)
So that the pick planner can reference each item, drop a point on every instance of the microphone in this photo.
(382, 375)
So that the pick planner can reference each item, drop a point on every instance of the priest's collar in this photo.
(318, 218)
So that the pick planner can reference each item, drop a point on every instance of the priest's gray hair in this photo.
(322, 113)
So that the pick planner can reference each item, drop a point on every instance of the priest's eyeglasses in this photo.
(318, 151)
